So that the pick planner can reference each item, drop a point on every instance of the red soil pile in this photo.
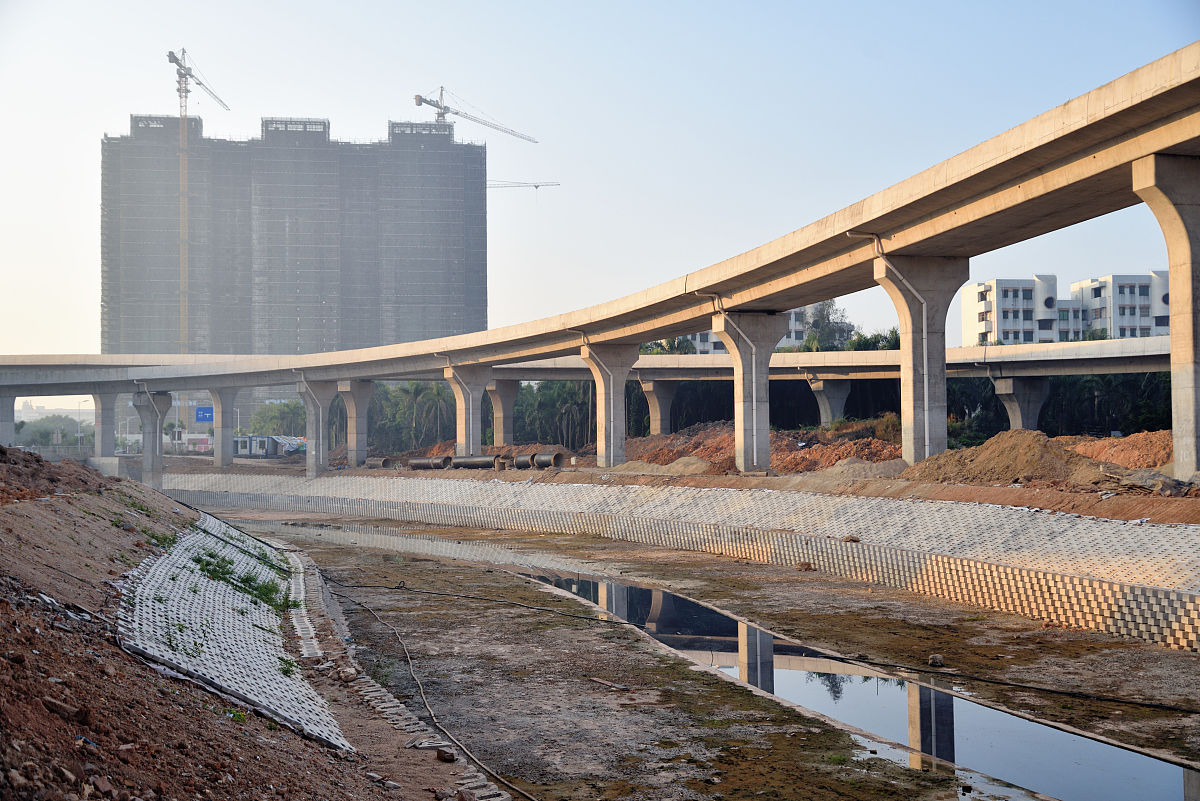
(25, 475)
(1150, 449)
(1013, 457)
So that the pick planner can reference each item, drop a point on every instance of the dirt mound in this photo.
(1014, 457)
(1150, 449)
(820, 457)
(25, 475)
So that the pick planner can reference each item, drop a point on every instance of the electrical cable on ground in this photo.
(421, 690)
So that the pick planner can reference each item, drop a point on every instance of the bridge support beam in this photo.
(659, 397)
(8, 426)
(930, 728)
(152, 409)
(910, 280)
(1023, 398)
(831, 397)
(357, 397)
(1170, 186)
(610, 365)
(223, 400)
(468, 382)
(317, 396)
(750, 339)
(106, 429)
(503, 395)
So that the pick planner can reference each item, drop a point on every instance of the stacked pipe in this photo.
(429, 462)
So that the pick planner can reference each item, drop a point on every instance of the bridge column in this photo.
(659, 397)
(1023, 398)
(8, 426)
(751, 339)
(936, 280)
(357, 397)
(223, 400)
(317, 395)
(831, 397)
(106, 431)
(610, 365)
(1170, 186)
(930, 727)
(152, 409)
(468, 382)
(756, 657)
(503, 394)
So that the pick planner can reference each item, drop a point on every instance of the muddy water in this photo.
(996, 753)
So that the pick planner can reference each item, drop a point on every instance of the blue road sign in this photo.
(204, 414)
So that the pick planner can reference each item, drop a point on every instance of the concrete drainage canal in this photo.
(915, 718)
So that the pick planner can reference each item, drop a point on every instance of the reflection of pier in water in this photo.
(898, 707)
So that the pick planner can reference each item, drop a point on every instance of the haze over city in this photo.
(681, 135)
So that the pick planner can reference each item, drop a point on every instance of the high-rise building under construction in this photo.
(296, 243)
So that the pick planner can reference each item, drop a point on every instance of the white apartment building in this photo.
(708, 342)
(1012, 311)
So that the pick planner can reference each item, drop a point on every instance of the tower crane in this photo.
(443, 110)
(497, 184)
(184, 76)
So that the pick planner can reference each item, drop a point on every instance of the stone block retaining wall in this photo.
(1137, 580)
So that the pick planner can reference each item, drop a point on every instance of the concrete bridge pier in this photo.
(659, 396)
(831, 397)
(756, 657)
(750, 339)
(152, 409)
(503, 394)
(223, 400)
(909, 280)
(1023, 398)
(610, 365)
(468, 382)
(105, 404)
(357, 397)
(930, 728)
(8, 426)
(317, 395)
(1170, 186)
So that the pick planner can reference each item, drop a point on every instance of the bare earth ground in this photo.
(877, 623)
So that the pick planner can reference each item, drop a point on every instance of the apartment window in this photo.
(984, 316)
(1004, 293)
(1162, 321)
(1064, 315)
(1143, 290)
(718, 345)
(1027, 336)
(1075, 314)
(1046, 325)
(704, 337)
(1006, 335)
(1143, 311)
(1122, 332)
(983, 339)
(1121, 311)
(983, 296)
(1133, 332)
(1026, 294)
(1120, 288)
(1027, 314)
(1098, 292)
(1064, 336)
(1145, 332)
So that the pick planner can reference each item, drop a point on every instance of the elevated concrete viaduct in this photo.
(1136, 139)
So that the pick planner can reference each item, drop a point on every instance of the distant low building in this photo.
(798, 325)
(1013, 311)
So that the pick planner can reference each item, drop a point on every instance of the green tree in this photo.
(880, 340)
(285, 419)
(676, 346)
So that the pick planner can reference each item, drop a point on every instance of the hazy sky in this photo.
(682, 133)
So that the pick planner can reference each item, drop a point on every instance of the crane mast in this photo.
(184, 76)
